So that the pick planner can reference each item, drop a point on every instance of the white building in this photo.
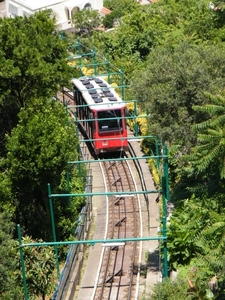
(64, 9)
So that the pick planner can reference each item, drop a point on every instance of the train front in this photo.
(111, 133)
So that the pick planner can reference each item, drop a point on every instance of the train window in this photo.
(109, 120)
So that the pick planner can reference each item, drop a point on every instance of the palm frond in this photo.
(217, 99)
(207, 159)
(218, 121)
(209, 108)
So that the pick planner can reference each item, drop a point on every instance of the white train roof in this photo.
(98, 93)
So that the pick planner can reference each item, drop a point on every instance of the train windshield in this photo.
(109, 120)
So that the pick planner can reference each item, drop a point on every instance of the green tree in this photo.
(211, 240)
(166, 23)
(32, 63)
(196, 237)
(184, 230)
(39, 269)
(8, 264)
(211, 136)
(183, 76)
(86, 20)
(138, 32)
(122, 5)
(118, 8)
(38, 151)
(31, 67)
(168, 290)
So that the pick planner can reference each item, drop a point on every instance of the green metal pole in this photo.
(166, 172)
(76, 123)
(77, 134)
(165, 189)
(80, 59)
(108, 70)
(53, 228)
(22, 263)
(68, 182)
(122, 84)
(165, 261)
(93, 242)
(78, 44)
(157, 152)
(135, 119)
(117, 194)
(95, 69)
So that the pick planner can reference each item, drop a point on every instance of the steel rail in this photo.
(133, 199)
(118, 180)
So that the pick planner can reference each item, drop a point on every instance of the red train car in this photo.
(101, 112)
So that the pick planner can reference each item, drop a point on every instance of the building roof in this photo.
(34, 5)
(70, 4)
(40, 4)
(105, 11)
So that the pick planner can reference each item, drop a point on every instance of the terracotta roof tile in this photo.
(105, 11)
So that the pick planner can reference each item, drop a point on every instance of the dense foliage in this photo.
(38, 150)
(183, 75)
(85, 21)
(172, 53)
(8, 263)
(37, 140)
(118, 9)
(40, 266)
(32, 64)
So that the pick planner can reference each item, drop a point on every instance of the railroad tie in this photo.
(118, 273)
(113, 164)
(117, 180)
(120, 221)
(117, 202)
(110, 279)
(115, 248)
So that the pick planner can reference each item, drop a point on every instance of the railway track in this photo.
(117, 278)
(119, 268)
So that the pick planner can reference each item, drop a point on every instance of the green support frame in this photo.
(161, 160)
(163, 237)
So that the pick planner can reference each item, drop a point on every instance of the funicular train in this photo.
(101, 113)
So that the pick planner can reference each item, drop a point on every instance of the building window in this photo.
(13, 10)
(88, 6)
(74, 10)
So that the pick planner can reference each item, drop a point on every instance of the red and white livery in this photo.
(101, 112)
